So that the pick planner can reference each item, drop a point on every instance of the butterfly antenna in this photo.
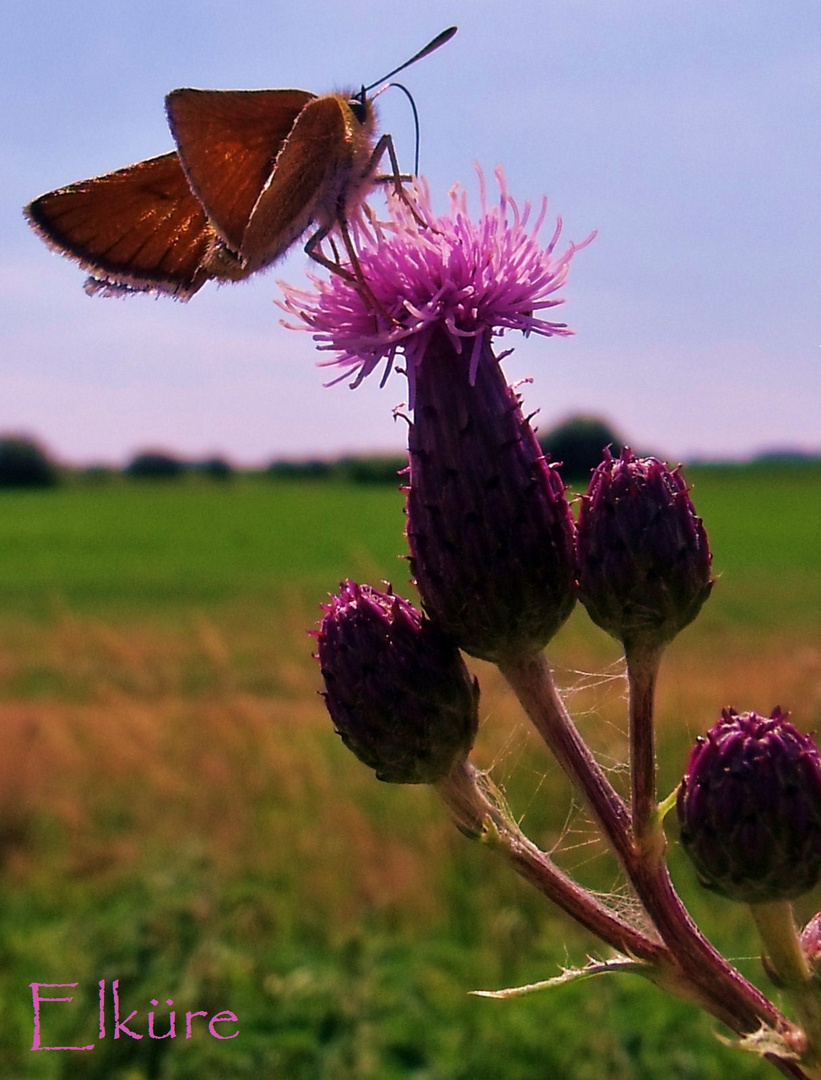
(440, 39)
(409, 96)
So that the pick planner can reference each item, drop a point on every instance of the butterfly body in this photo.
(253, 172)
(324, 170)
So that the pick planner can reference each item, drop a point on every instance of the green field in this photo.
(176, 812)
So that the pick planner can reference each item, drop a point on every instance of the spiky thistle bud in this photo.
(644, 561)
(396, 687)
(750, 808)
(490, 532)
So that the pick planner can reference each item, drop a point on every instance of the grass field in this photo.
(176, 812)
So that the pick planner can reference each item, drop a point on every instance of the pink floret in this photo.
(472, 280)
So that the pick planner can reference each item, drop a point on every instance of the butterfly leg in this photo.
(398, 179)
(314, 251)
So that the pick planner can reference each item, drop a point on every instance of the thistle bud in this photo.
(811, 944)
(644, 561)
(750, 808)
(490, 531)
(397, 689)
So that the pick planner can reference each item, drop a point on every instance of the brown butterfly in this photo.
(253, 170)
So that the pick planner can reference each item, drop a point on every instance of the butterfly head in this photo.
(361, 106)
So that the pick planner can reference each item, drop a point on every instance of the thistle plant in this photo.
(499, 564)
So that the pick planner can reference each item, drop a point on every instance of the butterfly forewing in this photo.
(139, 227)
(228, 141)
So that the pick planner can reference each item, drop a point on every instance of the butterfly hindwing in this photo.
(139, 228)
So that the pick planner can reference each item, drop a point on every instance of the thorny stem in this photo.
(703, 972)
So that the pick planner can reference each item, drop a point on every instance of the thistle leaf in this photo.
(569, 974)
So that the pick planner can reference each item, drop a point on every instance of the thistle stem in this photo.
(532, 680)
(792, 972)
(642, 672)
(477, 809)
(720, 987)
(703, 973)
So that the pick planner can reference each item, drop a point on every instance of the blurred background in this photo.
(175, 809)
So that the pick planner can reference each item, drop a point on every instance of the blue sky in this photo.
(689, 135)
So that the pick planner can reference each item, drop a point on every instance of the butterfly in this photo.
(252, 172)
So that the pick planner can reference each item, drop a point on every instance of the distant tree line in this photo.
(24, 463)
(577, 445)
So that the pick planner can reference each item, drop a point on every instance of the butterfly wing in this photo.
(228, 141)
(139, 228)
(319, 161)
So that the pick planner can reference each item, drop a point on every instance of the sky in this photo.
(687, 134)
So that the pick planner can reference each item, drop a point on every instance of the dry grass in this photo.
(131, 743)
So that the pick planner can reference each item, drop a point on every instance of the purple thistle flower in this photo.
(470, 280)
(396, 688)
(750, 808)
(490, 532)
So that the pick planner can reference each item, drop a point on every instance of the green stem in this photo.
(791, 971)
